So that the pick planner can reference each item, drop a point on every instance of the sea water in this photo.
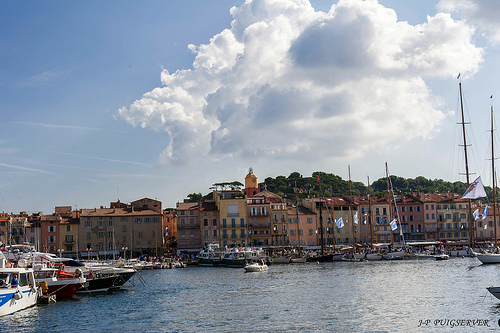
(383, 296)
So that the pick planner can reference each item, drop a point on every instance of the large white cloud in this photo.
(481, 13)
(287, 81)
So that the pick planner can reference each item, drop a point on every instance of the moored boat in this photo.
(62, 286)
(281, 259)
(211, 256)
(18, 288)
(237, 257)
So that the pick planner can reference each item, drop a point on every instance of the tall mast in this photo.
(321, 220)
(332, 219)
(389, 199)
(297, 212)
(494, 181)
(471, 239)
(350, 209)
(370, 212)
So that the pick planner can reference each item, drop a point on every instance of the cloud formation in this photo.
(286, 81)
(481, 13)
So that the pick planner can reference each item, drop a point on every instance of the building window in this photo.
(52, 228)
(111, 223)
(139, 235)
(68, 228)
(138, 220)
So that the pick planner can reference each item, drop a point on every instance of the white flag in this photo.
(394, 225)
(475, 190)
(476, 214)
(355, 218)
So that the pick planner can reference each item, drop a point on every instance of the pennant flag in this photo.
(475, 190)
(485, 212)
(476, 214)
(340, 223)
(458, 77)
(355, 218)
(394, 225)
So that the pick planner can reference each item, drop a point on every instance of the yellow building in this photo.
(233, 216)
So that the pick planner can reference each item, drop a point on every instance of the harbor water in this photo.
(384, 296)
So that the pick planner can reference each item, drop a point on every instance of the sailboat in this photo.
(491, 258)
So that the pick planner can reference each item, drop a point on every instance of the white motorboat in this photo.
(18, 289)
(256, 266)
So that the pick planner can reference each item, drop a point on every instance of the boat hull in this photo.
(323, 258)
(298, 260)
(488, 258)
(281, 260)
(97, 285)
(495, 291)
(212, 262)
(394, 255)
(373, 256)
(64, 289)
(10, 302)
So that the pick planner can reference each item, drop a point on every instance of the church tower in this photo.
(251, 184)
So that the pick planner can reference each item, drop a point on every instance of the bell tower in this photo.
(251, 184)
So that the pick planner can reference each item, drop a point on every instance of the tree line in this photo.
(321, 184)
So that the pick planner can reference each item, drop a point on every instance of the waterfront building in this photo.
(271, 217)
(231, 205)
(365, 221)
(49, 232)
(302, 228)
(381, 209)
(258, 211)
(210, 232)
(4, 227)
(429, 203)
(188, 227)
(169, 229)
(136, 229)
(408, 209)
(453, 218)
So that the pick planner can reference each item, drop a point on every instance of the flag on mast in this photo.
(394, 225)
(340, 223)
(475, 190)
(355, 218)
(485, 212)
(476, 214)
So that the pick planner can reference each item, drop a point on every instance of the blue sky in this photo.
(125, 99)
